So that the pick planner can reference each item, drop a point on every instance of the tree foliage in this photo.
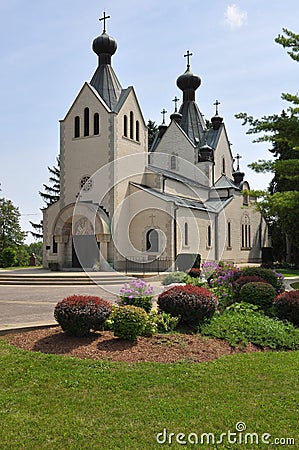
(50, 195)
(280, 203)
(11, 234)
(152, 130)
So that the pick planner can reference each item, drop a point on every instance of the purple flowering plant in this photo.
(137, 293)
(222, 283)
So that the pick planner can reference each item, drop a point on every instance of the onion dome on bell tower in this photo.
(104, 79)
(192, 121)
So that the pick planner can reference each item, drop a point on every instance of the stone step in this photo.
(65, 280)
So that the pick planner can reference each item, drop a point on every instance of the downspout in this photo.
(216, 238)
(175, 247)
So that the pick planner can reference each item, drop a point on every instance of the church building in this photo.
(123, 206)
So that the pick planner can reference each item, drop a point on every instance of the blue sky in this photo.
(46, 56)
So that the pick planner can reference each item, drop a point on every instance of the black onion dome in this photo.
(188, 80)
(104, 44)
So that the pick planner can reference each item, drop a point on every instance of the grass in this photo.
(55, 402)
(295, 285)
(20, 267)
(288, 272)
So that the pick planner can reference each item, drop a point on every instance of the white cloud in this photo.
(235, 17)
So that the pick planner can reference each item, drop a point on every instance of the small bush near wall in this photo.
(269, 275)
(78, 314)
(286, 306)
(173, 277)
(258, 293)
(191, 303)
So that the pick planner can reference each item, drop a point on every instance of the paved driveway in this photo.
(25, 306)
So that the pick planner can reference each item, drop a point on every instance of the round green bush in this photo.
(129, 322)
(78, 314)
(286, 306)
(258, 293)
(267, 274)
(192, 304)
(173, 277)
(241, 281)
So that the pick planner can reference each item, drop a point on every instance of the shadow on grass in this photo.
(61, 343)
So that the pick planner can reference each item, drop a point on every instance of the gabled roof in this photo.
(94, 92)
(177, 177)
(225, 183)
(123, 97)
(209, 206)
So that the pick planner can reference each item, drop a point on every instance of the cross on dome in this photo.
(163, 112)
(238, 157)
(104, 19)
(175, 100)
(217, 103)
(188, 54)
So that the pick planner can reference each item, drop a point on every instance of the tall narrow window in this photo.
(77, 127)
(245, 233)
(86, 122)
(209, 236)
(173, 162)
(152, 241)
(54, 246)
(223, 165)
(137, 130)
(96, 123)
(131, 125)
(125, 126)
(229, 235)
(186, 234)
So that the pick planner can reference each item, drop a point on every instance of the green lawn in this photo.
(295, 285)
(288, 272)
(55, 402)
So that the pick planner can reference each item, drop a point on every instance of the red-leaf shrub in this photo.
(194, 272)
(286, 306)
(78, 314)
(244, 280)
(191, 303)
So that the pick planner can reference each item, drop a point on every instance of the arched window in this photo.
(245, 233)
(152, 240)
(137, 130)
(223, 165)
(96, 123)
(186, 234)
(209, 236)
(77, 127)
(173, 162)
(131, 125)
(229, 234)
(125, 126)
(86, 122)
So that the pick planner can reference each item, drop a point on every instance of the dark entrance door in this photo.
(85, 251)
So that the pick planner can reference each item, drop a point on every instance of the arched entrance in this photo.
(82, 234)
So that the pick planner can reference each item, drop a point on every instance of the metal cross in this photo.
(188, 54)
(217, 103)
(238, 157)
(175, 100)
(163, 112)
(104, 19)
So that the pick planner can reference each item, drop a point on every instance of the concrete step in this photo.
(62, 280)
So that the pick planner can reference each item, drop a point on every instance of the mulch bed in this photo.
(163, 348)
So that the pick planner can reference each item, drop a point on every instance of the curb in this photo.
(23, 327)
